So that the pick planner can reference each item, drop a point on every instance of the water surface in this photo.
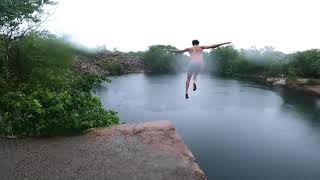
(236, 129)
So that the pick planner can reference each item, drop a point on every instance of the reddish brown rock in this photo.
(315, 89)
(151, 150)
(160, 135)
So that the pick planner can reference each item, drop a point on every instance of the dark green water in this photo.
(235, 129)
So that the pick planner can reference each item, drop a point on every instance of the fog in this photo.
(135, 25)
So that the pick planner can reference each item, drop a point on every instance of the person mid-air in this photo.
(196, 64)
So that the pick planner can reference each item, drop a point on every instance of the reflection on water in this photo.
(236, 129)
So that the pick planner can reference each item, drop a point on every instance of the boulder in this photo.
(280, 82)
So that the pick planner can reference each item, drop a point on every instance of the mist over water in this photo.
(236, 129)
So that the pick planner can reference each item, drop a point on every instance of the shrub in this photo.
(39, 54)
(44, 112)
(39, 110)
(39, 93)
(292, 73)
(307, 63)
(46, 97)
(115, 67)
(221, 60)
(160, 59)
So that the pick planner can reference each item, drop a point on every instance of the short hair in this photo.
(195, 42)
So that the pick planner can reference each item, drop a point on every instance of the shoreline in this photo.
(306, 85)
(134, 64)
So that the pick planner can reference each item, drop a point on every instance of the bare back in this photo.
(196, 53)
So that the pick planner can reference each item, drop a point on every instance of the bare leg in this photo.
(195, 78)
(187, 84)
(195, 81)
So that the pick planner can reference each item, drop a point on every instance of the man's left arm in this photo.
(181, 51)
(214, 46)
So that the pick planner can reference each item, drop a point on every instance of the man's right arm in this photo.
(214, 46)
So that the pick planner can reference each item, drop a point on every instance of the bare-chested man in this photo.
(196, 63)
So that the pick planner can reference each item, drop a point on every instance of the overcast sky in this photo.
(288, 25)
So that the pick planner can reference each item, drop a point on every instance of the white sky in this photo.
(287, 25)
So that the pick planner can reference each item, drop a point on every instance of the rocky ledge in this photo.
(151, 150)
(98, 64)
(310, 86)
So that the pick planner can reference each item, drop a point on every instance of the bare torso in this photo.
(196, 53)
(196, 64)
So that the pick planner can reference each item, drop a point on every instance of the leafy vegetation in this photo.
(115, 68)
(40, 94)
(160, 59)
(306, 63)
(265, 61)
(37, 110)
(229, 61)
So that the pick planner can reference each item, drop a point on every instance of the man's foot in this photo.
(194, 86)
(187, 96)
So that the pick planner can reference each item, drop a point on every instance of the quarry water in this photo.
(236, 129)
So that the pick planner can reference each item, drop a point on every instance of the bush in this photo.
(39, 54)
(46, 97)
(307, 63)
(292, 73)
(39, 93)
(38, 110)
(44, 112)
(115, 68)
(221, 60)
(160, 59)
(229, 61)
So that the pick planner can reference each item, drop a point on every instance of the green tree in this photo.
(40, 54)
(20, 16)
(306, 63)
(160, 59)
(222, 60)
(17, 17)
(40, 94)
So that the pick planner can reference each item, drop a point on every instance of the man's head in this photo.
(195, 42)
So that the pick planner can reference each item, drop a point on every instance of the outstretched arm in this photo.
(181, 51)
(214, 46)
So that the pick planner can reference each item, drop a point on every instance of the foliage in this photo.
(266, 61)
(229, 61)
(160, 59)
(38, 110)
(17, 17)
(47, 97)
(38, 55)
(292, 73)
(221, 60)
(39, 93)
(307, 63)
(115, 67)
(136, 54)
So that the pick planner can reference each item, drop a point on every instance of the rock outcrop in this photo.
(315, 89)
(276, 81)
(98, 63)
(310, 86)
(151, 150)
